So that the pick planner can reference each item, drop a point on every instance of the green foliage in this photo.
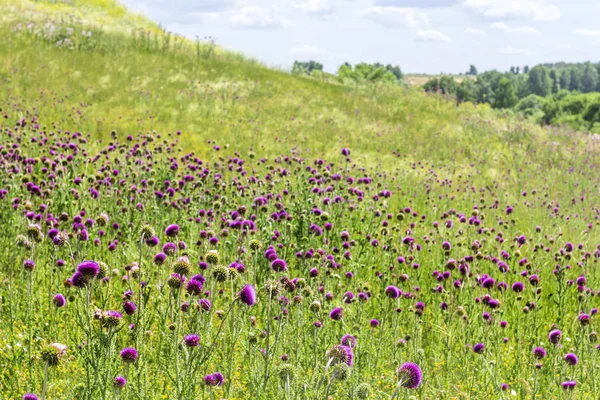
(539, 82)
(467, 91)
(306, 67)
(251, 133)
(546, 93)
(506, 95)
(530, 105)
(444, 85)
(371, 73)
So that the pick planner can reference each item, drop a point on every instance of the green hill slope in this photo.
(96, 68)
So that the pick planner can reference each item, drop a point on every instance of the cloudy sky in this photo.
(429, 36)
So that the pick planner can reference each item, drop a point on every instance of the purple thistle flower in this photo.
(119, 382)
(89, 269)
(392, 292)
(571, 359)
(169, 248)
(30, 396)
(374, 323)
(518, 287)
(59, 300)
(152, 241)
(248, 295)
(215, 379)
(409, 375)
(191, 340)
(194, 287)
(129, 355)
(279, 265)
(79, 280)
(205, 304)
(160, 258)
(584, 319)
(479, 348)
(336, 314)
(555, 336)
(568, 385)
(349, 341)
(172, 230)
(539, 353)
(129, 307)
(28, 265)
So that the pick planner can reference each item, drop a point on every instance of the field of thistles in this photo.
(437, 254)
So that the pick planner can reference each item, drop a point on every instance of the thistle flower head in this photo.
(129, 355)
(191, 340)
(248, 295)
(59, 300)
(341, 372)
(148, 231)
(52, 353)
(119, 382)
(336, 314)
(340, 354)
(363, 391)
(286, 372)
(111, 318)
(539, 353)
(409, 375)
(348, 340)
(220, 273)
(215, 379)
(89, 269)
(554, 336)
(182, 267)
(171, 230)
(212, 257)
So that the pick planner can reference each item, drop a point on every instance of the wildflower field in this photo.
(179, 222)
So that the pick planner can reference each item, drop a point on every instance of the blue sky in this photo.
(430, 36)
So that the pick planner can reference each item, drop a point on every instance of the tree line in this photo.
(359, 73)
(550, 93)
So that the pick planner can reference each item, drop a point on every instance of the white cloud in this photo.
(524, 30)
(396, 17)
(587, 32)
(515, 52)
(475, 32)
(319, 7)
(418, 3)
(430, 35)
(537, 10)
(257, 18)
(309, 50)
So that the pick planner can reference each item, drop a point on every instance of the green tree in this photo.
(306, 67)
(526, 69)
(589, 79)
(574, 80)
(539, 81)
(506, 95)
(592, 113)
(472, 70)
(467, 91)
(565, 79)
(445, 85)
(554, 76)
(530, 105)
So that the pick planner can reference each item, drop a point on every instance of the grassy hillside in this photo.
(140, 79)
(113, 131)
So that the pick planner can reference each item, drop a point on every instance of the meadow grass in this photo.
(111, 138)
